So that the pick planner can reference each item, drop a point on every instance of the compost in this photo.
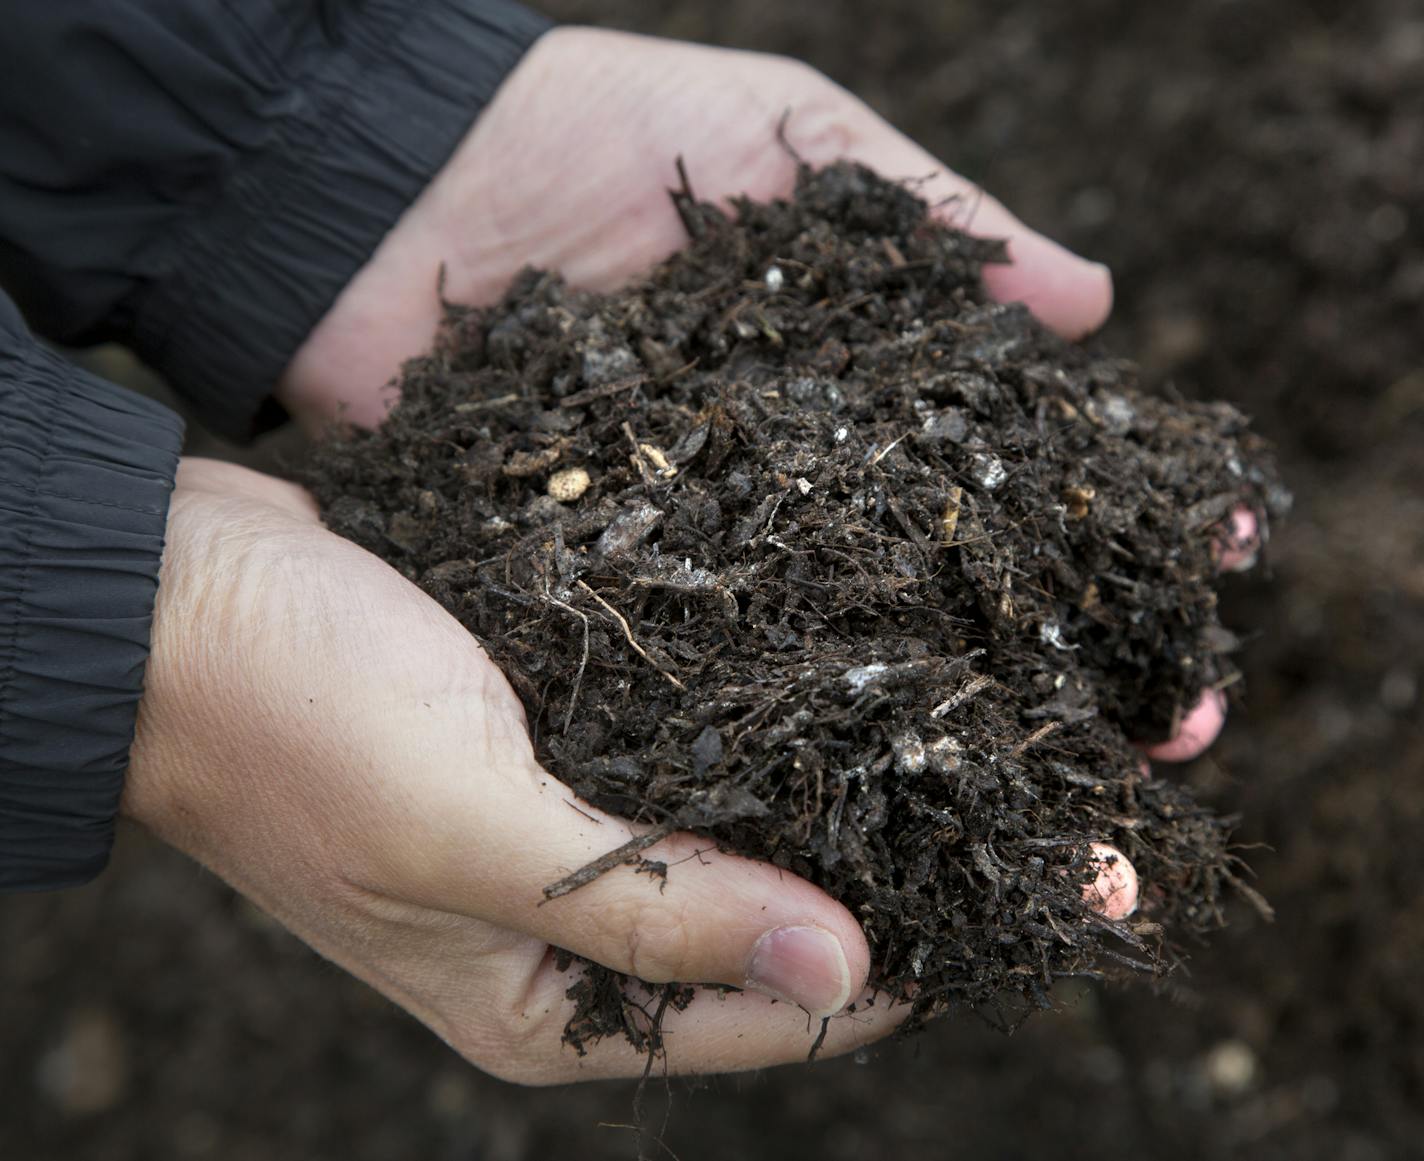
(805, 544)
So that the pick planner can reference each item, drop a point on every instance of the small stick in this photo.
(589, 394)
(685, 201)
(587, 873)
(820, 1039)
(583, 663)
(638, 458)
(891, 446)
(784, 141)
(628, 633)
(1034, 738)
(481, 404)
(574, 806)
(962, 696)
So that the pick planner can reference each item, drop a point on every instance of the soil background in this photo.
(1253, 171)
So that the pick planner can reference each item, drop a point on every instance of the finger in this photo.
(716, 1033)
(678, 911)
(715, 918)
(499, 998)
(1196, 731)
(1236, 543)
(1068, 293)
(1113, 893)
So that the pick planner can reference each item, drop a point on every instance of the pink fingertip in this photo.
(1237, 542)
(1198, 730)
(1144, 768)
(1069, 294)
(1113, 894)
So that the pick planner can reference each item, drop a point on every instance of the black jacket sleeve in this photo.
(200, 178)
(197, 179)
(85, 473)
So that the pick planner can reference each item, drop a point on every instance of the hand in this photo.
(331, 742)
(568, 169)
(327, 739)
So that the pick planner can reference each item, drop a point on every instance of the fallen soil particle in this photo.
(805, 544)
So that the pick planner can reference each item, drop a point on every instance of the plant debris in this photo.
(805, 544)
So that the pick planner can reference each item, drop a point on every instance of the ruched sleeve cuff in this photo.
(363, 135)
(86, 470)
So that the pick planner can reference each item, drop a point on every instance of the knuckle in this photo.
(824, 121)
(803, 76)
(655, 940)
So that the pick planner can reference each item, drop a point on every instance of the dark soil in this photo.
(807, 545)
(1253, 171)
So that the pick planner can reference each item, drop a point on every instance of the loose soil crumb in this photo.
(805, 544)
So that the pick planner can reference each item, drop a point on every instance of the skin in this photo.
(327, 739)
(1238, 542)
(1113, 893)
(568, 169)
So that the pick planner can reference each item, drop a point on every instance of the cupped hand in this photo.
(568, 169)
(330, 741)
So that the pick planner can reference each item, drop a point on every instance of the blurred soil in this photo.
(1253, 170)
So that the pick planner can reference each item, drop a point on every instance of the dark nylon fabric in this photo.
(199, 179)
(85, 473)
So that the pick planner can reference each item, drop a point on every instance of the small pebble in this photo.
(1238, 541)
(1230, 1067)
(568, 485)
(86, 1071)
(988, 471)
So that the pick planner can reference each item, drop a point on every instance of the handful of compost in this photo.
(805, 545)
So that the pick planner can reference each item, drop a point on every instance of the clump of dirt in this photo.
(807, 545)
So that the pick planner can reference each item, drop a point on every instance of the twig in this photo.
(820, 1039)
(962, 696)
(891, 446)
(481, 404)
(655, 1050)
(784, 141)
(1034, 738)
(583, 663)
(587, 873)
(575, 807)
(685, 202)
(589, 394)
(628, 633)
(640, 461)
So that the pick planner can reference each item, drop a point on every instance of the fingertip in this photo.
(817, 957)
(1196, 732)
(807, 966)
(1113, 893)
(1236, 542)
(1070, 294)
(851, 935)
(1067, 293)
